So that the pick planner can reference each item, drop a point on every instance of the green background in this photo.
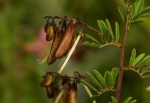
(21, 44)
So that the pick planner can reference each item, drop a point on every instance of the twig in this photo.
(121, 66)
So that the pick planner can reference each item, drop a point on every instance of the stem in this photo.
(88, 92)
(70, 53)
(121, 66)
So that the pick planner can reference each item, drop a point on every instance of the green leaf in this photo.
(133, 56)
(93, 44)
(145, 60)
(109, 28)
(89, 85)
(113, 99)
(138, 59)
(100, 78)
(143, 12)
(93, 79)
(147, 76)
(128, 100)
(145, 15)
(136, 22)
(109, 79)
(122, 13)
(102, 26)
(114, 73)
(134, 101)
(91, 38)
(132, 13)
(139, 6)
(117, 30)
(145, 70)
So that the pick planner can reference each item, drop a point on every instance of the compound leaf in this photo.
(109, 28)
(102, 26)
(139, 6)
(113, 99)
(93, 79)
(92, 44)
(114, 73)
(122, 13)
(138, 59)
(109, 79)
(100, 78)
(117, 30)
(132, 58)
(128, 100)
(91, 38)
(89, 85)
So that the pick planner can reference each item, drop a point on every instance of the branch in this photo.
(121, 66)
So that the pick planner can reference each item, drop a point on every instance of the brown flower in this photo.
(70, 93)
(67, 39)
(56, 42)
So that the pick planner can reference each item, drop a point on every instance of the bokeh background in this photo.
(22, 44)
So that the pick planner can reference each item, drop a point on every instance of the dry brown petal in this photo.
(47, 80)
(56, 42)
(49, 91)
(66, 40)
(70, 93)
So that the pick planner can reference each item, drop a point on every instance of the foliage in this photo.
(101, 84)
(140, 64)
(128, 100)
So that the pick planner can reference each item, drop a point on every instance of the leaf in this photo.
(145, 60)
(139, 6)
(117, 30)
(134, 101)
(92, 78)
(93, 44)
(147, 76)
(91, 38)
(109, 79)
(122, 13)
(109, 28)
(145, 70)
(132, 58)
(114, 73)
(128, 100)
(100, 78)
(138, 59)
(145, 15)
(132, 13)
(136, 22)
(143, 12)
(113, 99)
(89, 85)
(102, 26)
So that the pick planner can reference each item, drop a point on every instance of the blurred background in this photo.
(22, 44)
